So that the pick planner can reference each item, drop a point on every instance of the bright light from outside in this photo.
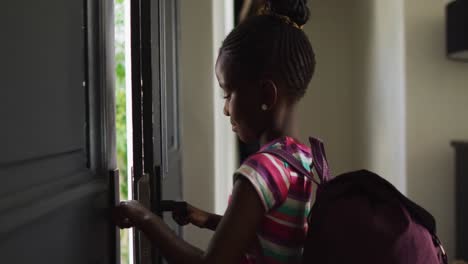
(123, 115)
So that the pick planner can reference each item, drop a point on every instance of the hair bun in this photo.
(296, 10)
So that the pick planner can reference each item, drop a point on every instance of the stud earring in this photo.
(264, 107)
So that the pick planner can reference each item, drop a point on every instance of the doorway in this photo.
(147, 116)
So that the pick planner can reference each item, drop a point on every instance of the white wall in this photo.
(226, 155)
(384, 95)
(437, 110)
(209, 145)
(197, 117)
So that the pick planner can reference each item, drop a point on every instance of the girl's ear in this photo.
(269, 93)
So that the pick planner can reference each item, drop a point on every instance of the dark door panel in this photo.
(55, 197)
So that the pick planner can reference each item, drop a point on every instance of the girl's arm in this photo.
(235, 233)
(195, 216)
(212, 221)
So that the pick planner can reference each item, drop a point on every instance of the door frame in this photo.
(99, 83)
(153, 23)
(143, 172)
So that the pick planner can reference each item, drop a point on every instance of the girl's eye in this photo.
(227, 96)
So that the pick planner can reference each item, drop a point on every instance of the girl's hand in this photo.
(130, 214)
(184, 215)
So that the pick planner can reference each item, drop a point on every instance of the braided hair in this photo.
(273, 45)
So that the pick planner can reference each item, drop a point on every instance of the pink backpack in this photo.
(359, 217)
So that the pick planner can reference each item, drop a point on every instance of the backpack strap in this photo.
(291, 160)
(319, 159)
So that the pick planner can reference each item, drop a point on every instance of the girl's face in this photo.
(242, 101)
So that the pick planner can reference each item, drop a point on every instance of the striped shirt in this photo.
(286, 197)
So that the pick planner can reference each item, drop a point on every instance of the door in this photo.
(157, 150)
(57, 157)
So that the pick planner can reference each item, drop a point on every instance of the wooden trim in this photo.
(459, 144)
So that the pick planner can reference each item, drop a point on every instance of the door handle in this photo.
(170, 205)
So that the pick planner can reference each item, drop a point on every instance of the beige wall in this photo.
(355, 102)
(385, 98)
(331, 109)
(437, 111)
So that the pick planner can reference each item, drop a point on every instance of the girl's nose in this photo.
(226, 109)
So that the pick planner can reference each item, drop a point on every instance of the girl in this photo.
(264, 67)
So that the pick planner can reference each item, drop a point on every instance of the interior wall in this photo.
(437, 109)
(197, 117)
(355, 102)
(332, 106)
(384, 96)
(226, 157)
